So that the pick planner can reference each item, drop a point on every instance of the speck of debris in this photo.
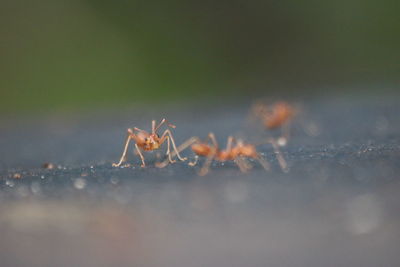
(48, 166)
(17, 176)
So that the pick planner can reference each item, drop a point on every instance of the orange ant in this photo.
(277, 115)
(149, 142)
(236, 152)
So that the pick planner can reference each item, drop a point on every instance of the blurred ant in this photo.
(236, 152)
(149, 141)
(274, 116)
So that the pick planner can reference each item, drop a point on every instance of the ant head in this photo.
(152, 141)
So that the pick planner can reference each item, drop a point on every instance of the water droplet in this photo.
(114, 180)
(35, 187)
(236, 192)
(363, 214)
(80, 183)
(23, 191)
(10, 183)
(381, 126)
(312, 129)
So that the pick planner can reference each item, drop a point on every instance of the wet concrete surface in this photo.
(337, 206)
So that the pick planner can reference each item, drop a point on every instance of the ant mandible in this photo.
(236, 152)
(149, 141)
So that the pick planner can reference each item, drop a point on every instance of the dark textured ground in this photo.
(338, 205)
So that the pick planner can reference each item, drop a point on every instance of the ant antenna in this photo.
(160, 124)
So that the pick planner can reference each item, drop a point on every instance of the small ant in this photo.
(236, 152)
(149, 142)
(277, 115)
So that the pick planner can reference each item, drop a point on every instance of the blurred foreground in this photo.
(338, 204)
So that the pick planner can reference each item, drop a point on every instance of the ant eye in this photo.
(158, 136)
(145, 139)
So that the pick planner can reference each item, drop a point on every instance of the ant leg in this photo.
(286, 130)
(153, 126)
(168, 151)
(263, 162)
(161, 123)
(229, 143)
(213, 139)
(141, 156)
(182, 147)
(243, 165)
(281, 160)
(128, 139)
(193, 163)
(186, 144)
(204, 170)
(139, 130)
(173, 145)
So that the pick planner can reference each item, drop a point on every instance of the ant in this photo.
(236, 152)
(149, 141)
(274, 116)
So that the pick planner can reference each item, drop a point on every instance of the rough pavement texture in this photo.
(338, 204)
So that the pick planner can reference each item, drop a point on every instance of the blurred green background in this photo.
(76, 54)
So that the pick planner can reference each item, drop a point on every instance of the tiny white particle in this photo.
(282, 141)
